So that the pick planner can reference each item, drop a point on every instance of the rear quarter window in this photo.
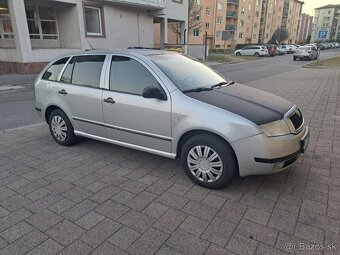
(52, 73)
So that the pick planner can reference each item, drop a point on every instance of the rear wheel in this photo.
(61, 128)
(238, 53)
(256, 54)
(294, 58)
(208, 161)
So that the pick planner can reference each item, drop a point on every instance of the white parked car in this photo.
(309, 52)
(253, 50)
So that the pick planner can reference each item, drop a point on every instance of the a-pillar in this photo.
(20, 29)
(164, 32)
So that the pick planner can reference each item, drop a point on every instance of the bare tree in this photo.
(194, 11)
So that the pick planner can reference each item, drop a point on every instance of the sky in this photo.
(310, 5)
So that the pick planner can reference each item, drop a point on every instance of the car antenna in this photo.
(89, 43)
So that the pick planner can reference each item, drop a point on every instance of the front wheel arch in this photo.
(187, 135)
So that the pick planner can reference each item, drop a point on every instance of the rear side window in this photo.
(84, 70)
(54, 70)
(129, 76)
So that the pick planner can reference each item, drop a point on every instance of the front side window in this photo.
(41, 22)
(93, 20)
(129, 76)
(54, 70)
(6, 30)
(84, 70)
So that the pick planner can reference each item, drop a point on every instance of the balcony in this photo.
(229, 27)
(142, 4)
(232, 14)
(232, 2)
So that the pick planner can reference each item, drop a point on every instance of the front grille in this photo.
(296, 119)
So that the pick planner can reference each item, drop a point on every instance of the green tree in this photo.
(280, 35)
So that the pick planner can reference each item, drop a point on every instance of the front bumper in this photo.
(258, 155)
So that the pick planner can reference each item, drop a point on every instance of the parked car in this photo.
(306, 52)
(287, 48)
(170, 105)
(253, 50)
(281, 51)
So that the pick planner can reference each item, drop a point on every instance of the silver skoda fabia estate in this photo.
(174, 106)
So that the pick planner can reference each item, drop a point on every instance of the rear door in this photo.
(79, 93)
(129, 117)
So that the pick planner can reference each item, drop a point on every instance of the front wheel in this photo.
(238, 54)
(208, 161)
(256, 54)
(61, 128)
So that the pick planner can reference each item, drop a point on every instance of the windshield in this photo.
(304, 48)
(186, 73)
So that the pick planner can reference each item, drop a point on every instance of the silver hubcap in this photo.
(59, 128)
(204, 163)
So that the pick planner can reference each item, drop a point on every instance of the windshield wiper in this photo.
(197, 89)
(223, 83)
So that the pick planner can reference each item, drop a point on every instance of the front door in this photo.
(129, 117)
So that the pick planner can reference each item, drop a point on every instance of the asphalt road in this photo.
(17, 94)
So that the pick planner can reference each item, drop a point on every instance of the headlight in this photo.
(276, 128)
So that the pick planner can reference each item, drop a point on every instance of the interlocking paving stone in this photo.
(96, 235)
(124, 237)
(149, 242)
(186, 243)
(17, 231)
(219, 231)
(121, 201)
(89, 220)
(77, 247)
(44, 220)
(49, 247)
(112, 209)
(170, 221)
(65, 232)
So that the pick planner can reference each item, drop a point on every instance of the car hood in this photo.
(253, 104)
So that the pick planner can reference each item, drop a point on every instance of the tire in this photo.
(225, 157)
(238, 54)
(294, 58)
(256, 54)
(61, 128)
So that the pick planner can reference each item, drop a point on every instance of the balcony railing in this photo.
(232, 1)
(229, 27)
(231, 14)
(144, 4)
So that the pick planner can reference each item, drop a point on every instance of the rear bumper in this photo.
(259, 155)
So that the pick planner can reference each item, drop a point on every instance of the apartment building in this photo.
(32, 32)
(326, 23)
(305, 29)
(213, 23)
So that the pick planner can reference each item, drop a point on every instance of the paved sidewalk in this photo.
(105, 199)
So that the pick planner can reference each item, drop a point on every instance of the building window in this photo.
(267, 36)
(241, 23)
(257, 2)
(197, 18)
(41, 22)
(207, 26)
(254, 36)
(257, 14)
(93, 20)
(220, 6)
(207, 11)
(240, 35)
(197, 2)
(243, 10)
(255, 25)
(196, 32)
(249, 7)
(6, 30)
(178, 1)
(219, 20)
(218, 34)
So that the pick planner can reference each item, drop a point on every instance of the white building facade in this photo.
(32, 32)
(326, 25)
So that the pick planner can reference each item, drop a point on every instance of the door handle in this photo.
(63, 92)
(109, 100)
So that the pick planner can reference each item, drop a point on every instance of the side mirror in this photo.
(154, 92)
